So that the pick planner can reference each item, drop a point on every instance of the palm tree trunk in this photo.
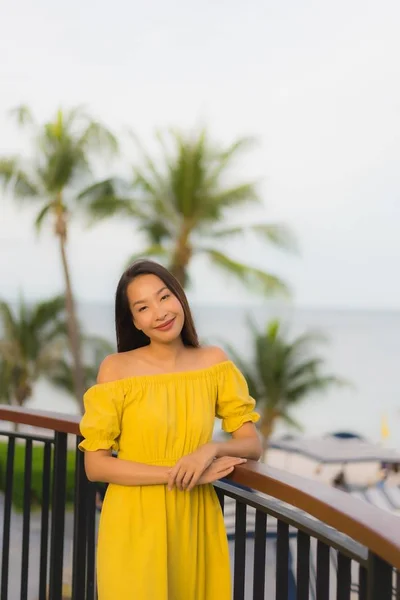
(182, 254)
(179, 271)
(72, 320)
(266, 429)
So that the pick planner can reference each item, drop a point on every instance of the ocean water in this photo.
(363, 347)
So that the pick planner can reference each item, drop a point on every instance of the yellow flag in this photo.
(385, 433)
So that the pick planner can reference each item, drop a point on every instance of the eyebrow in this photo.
(156, 294)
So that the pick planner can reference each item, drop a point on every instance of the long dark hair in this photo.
(128, 336)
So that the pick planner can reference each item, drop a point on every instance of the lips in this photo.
(166, 326)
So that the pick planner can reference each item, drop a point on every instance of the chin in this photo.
(174, 334)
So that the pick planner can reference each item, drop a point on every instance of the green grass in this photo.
(37, 475)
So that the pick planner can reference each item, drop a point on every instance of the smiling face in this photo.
(155, 310)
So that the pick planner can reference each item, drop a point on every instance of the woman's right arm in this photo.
(101, 466)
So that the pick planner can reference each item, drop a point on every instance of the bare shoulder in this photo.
(110, 368)
(122, 365)
(212, 355)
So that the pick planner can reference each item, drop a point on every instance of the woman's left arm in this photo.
(245, 443)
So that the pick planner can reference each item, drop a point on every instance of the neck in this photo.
(168, 353)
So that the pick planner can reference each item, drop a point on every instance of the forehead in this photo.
(144, 286)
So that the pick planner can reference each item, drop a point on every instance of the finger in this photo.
(228, 461)
(240, 461)
(172, 477)
(224, 473)
(228, 472)
(187, 480)
(180, 476)
(233, 461)
(195, 480)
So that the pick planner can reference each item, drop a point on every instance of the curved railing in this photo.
(322, 539)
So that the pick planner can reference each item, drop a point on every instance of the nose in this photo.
(161, 316)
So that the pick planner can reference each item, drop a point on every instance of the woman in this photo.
(161, 534)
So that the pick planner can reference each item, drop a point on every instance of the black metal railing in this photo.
(308, 559)
(277, 550)
(42, 561)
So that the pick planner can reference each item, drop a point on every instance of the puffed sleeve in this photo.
(100, 425)
(234, 406)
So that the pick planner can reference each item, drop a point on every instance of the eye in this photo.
(142, 308)
(165, 296)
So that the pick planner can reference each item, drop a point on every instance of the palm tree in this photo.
(96, 348)
(32, 344)
(5, 382)
(282, 374)
(58, 164)
(180, 204)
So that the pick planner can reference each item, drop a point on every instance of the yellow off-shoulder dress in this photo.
(156, 544)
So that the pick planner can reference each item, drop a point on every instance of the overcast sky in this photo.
(317, 82)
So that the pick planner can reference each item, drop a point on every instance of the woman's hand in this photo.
(220, 468)
(188, 470)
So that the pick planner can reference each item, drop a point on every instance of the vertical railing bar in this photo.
(240, 551)
(362, 583)
(80, 528)
(323, 571)
(221, 497)
(343, 591)
(260, 549)
(26, 519)
(91, 541)
(303, 565)
(5, 560)
(282, 561)
(44, 530)
(380, 578)
(58, 514)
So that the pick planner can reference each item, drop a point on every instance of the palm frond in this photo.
(62, 377)
(308, 368)
(34, 340)
(253, 277)
(9, 324)
(302, 346)
(221, 160)
(292, 423)
(312, 385)
(234, 197)
(148, 175)
(276, 233)
(8, 168)
(157, 231)
(154, 251)
(97, 137)
(98, 345)
(48, 358)
(65, 163)
(105, 199)
(6, 384)
(47, 312)
(285, 377)
(22, 114)
(13, 177)
(41, 216)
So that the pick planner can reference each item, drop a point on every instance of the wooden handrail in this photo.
(372, 527)
(41, 418)
(376, 529)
